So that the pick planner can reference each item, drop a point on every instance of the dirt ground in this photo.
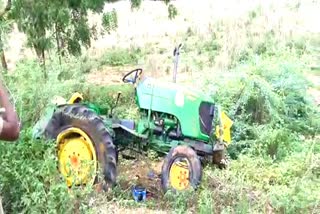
(108, 75)
(141, 172)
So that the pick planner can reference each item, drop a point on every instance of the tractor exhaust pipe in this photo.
(176, 53)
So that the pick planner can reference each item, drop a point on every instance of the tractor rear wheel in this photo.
(181, 169)
(82, 138)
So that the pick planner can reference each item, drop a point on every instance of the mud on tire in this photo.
(195, 168)
(77, 115)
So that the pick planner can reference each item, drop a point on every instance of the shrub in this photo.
(30, 182)
(120, 57)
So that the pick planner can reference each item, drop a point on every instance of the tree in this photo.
(63, 23)
(5, 28)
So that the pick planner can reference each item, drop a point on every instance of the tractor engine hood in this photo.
(186, 104)
(168, 90)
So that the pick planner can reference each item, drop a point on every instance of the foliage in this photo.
(64, 24)
(275, 160)
(110, 21)
(267, 99)
(5, 29)
(33, 93)
(172, 10)
(29, 179)
(30, 182)
(47, 22)
(120, 57)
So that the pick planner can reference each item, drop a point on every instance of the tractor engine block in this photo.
(167, 125)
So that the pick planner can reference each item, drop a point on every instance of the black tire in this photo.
(195, 168)
(77, 115)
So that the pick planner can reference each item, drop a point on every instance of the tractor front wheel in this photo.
(84, 146)
(181, 169)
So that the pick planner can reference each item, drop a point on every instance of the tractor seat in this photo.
(128, 123)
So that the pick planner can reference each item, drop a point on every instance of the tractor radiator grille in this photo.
(206, 115)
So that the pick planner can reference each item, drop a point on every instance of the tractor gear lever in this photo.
(116, 103)
(118, 96)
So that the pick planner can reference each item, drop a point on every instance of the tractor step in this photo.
(129, 130)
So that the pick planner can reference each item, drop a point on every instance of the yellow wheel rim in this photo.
(179, 175)
(76, 156)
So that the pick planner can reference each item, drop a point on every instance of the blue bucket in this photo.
(139, 193)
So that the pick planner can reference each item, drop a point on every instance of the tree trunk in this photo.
(43, 64)
(41, 57)
(58, 43)
(2, 55)
(3, 60)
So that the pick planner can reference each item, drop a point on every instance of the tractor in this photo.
(184, 125)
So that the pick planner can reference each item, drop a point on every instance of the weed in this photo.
(274, 166)
(30, 181)
(179, 201)
(120, 57)
(205, 202)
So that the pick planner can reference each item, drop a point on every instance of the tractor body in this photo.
(178, 110)
(170, 116)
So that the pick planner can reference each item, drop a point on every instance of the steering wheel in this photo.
(137, 72)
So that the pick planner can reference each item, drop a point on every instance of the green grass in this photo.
(272, 168)
(274, 155)
(119, 57)
(251, 184)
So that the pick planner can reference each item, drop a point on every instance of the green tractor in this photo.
(184, 125)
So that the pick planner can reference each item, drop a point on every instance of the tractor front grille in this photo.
(206, 116)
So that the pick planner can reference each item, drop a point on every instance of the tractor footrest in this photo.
(128, 124)
(218, 147)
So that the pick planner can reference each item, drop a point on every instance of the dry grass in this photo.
(150, 25)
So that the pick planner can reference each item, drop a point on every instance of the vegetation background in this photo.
(258, 59)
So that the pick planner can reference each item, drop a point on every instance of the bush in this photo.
(268, 101)
(120, 57)
(256, 184)
(30, 182)
(275, 167)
